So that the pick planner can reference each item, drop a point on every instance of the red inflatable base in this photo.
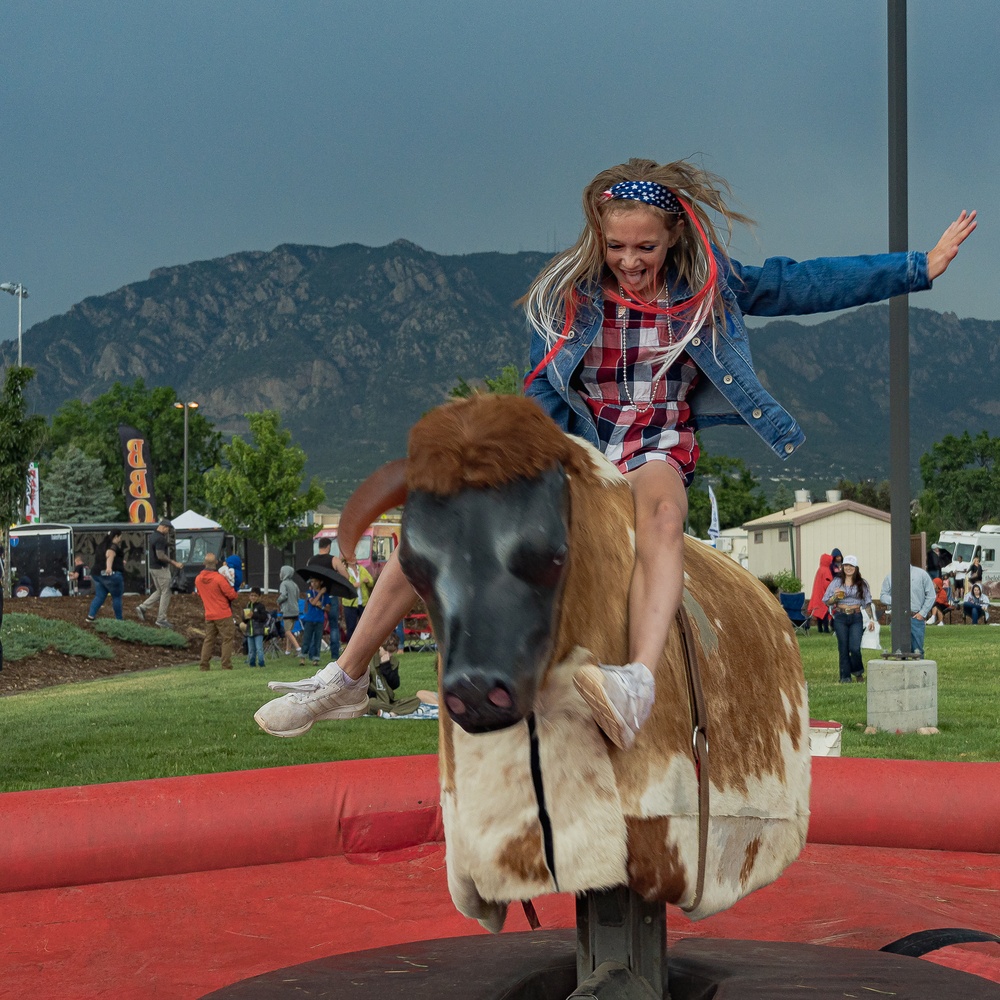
(182, 936)
(160, 931)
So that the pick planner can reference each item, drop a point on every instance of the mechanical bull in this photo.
(519, 538)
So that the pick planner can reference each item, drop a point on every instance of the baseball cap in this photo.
(851, 561)
(164, 524)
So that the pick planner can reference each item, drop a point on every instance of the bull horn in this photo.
(384, 489)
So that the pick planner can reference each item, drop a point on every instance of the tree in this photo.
(75, 491)
(93, 428)
(866, 491)
(737, 493)
(21, 437)
(961, 484)
(508, 383)
(260, 491)
(783, 498)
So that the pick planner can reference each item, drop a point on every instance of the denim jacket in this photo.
(730, 392)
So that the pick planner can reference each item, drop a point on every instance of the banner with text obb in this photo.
(139, 494)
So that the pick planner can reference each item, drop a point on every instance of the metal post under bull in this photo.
(621, 945)
(899, 337)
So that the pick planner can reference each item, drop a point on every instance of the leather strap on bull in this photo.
(699, 742)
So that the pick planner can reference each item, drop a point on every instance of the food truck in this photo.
(44, 554)
(374, 547)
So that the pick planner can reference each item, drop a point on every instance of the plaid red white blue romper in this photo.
(657, 430)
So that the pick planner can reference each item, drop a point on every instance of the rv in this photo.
(984, 543)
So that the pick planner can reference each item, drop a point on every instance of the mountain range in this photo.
(353, 343)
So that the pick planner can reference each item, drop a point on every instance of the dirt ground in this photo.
(47, 668)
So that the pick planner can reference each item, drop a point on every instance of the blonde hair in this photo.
(550, 297)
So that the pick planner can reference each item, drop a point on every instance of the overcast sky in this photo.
(137, 135)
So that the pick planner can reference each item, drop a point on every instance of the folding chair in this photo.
(274, 636)
(794, 605)
(967, 614)
(417, 635)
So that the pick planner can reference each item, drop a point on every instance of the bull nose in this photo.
(480, 700)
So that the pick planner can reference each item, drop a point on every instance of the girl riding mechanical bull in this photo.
(638, 340)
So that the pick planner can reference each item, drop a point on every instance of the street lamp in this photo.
(185, 407)
(22, 293)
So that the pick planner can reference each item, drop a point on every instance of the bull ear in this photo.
(384, 489)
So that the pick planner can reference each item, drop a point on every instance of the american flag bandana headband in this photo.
(648, 192)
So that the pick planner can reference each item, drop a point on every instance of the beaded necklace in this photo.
(623, 327)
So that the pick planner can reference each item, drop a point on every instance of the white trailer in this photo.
(984, 543)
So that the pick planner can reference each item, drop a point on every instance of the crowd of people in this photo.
(300, 620)
(301, 623)
(637, 341)
(841, 601)
(955, 574)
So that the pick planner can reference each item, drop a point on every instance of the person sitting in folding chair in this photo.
(976, 605)
(942, 604)
(383, 683)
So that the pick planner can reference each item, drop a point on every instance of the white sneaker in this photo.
(940, 623)
(619, 698)
(328, 694)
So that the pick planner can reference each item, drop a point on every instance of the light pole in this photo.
(899, 336)
(22, 293)
(186, 407)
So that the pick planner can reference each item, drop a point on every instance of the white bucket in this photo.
(824, 738)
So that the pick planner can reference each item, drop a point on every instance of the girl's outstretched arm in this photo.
(946, 249)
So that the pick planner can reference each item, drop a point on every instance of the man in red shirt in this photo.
(216, 594)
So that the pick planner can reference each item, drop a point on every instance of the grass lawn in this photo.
(968, 697)
(177, 721)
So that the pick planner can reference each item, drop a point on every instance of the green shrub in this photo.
(769, 581)
(24, 635)
(787, 581)
(144, 634)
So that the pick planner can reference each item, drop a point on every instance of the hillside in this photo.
(352, 344)
(834, 377)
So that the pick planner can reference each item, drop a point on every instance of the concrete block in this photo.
(902, 694)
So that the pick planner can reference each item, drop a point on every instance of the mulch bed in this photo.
(47, 668)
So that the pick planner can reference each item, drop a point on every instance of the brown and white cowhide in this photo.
(619, 817)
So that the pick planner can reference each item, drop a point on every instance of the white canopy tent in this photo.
(192, 521)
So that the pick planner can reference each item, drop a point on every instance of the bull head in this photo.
(489, 563)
